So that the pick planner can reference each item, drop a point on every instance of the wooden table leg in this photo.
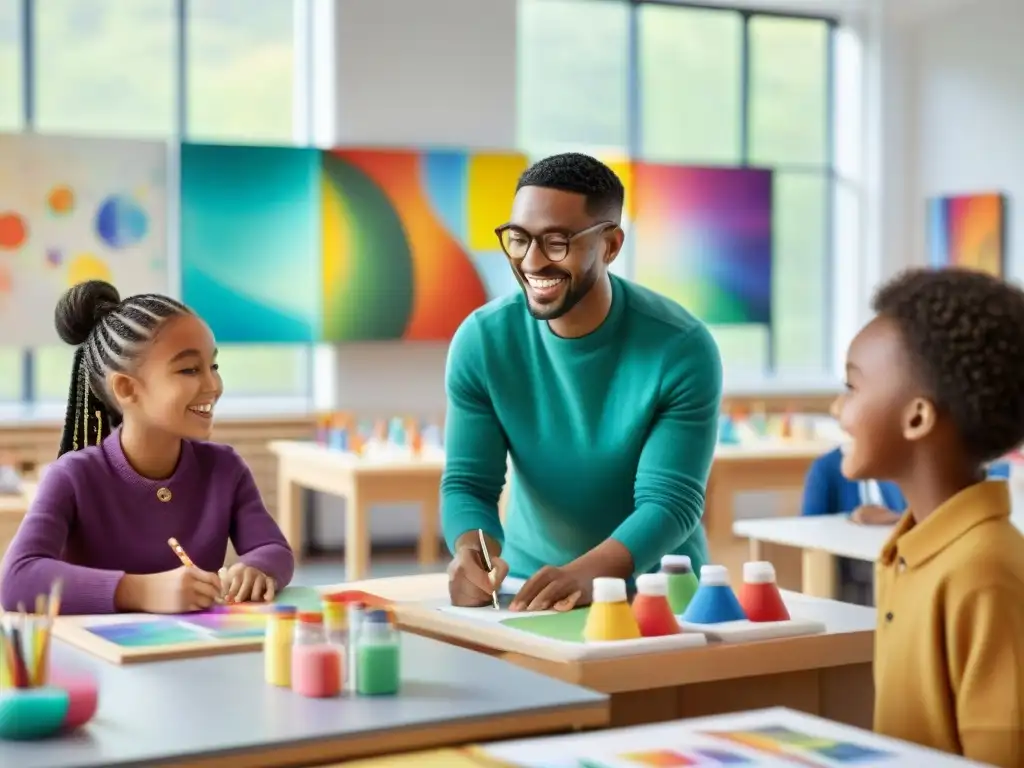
(289, 509)
(357, 536)
(819, 574)
(430, 522)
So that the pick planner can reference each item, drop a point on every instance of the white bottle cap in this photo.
(758, 572)
(652, 584)
(609, 590)
(676, 561)
(714, 575)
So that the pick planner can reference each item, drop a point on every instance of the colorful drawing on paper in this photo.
(782, 741)
(149, 633)
(968, 231)
(73, 210)
(703, 236)
(408, 243)
(250, 260)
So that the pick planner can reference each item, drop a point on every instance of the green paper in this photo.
(303, 598)
(567, 626)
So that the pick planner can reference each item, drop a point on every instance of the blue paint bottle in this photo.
(714, 602)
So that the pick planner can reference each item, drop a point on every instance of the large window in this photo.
(105, 67)
(109, 67)
(713, 87)
(573, 74)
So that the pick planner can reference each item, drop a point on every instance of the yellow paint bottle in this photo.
(610, 617)
(277, 646)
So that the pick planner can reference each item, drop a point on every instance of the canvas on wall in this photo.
(703, 237)
(408, 240)
(250, 248)
(75, 209)
(967, 231)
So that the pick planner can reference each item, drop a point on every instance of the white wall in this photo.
(412, 73)
(965, 112)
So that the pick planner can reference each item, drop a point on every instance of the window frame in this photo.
(303, 24)
(827, 170)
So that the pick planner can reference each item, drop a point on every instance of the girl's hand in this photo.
(244, 584)
(182, 590)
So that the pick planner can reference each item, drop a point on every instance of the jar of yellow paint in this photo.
(277, 646)
(610, 617)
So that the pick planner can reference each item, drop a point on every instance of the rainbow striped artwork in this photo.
(967, 231)
(408, 243)
(226, 622)
(703, 237)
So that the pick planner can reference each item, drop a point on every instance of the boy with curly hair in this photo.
(935, 389)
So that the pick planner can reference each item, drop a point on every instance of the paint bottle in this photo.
(651, 607)
(759, 596)
(356, 614)
(316, 665)
(277, 646)
(682, 581)
(377, 656)
(610, 617)
(714, 602)
(336, 626)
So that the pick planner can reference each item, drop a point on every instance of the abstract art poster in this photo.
(71, 210)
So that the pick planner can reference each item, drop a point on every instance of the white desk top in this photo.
(834, 534)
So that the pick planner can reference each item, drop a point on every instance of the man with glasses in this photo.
(605, 395)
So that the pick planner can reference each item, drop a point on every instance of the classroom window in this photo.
(239, 71)
(11, 71)
(106, 67)
(788, 91)
(690, 74)
(10, 373)
(265, 370)
(573, 75)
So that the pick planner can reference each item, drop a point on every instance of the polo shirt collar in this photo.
(976, 504)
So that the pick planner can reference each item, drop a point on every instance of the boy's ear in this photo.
(918, 419)
(124, 389)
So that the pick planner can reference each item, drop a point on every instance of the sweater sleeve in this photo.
(672, 473)
(476, 448)
(988, 676)
(818, 496)
(34, 560)
(255, 534)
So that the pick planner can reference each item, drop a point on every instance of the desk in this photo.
(811, 546)
(771, 466)
(13, 508)
(217, 712)
(827, 674)
(362, 483)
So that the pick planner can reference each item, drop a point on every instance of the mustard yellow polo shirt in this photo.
(949, 647)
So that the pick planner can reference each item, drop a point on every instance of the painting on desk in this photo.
(135, 637)
(771, 737)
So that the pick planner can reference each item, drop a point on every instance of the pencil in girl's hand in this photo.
(180, 552)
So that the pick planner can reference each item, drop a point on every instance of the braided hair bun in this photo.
(81, 307)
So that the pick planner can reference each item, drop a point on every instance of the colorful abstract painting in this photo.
(703, 237)
(250, 245)
(73, 210)
(967, 231)
(408, 240)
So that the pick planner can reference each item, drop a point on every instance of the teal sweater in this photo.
(610, 435)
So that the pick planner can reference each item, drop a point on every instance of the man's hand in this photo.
(872, 514)
(559, 588)
(469, 584)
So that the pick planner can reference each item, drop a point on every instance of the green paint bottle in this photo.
(378, 663)
(682, 581)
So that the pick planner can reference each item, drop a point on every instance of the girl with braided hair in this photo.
(135, 469)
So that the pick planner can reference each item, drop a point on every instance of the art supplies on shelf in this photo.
(395, 437)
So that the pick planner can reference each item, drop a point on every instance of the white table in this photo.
(820, 539)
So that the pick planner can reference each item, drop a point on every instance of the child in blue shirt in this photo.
(827, 492)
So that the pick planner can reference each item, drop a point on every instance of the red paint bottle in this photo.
(759, 594)
(651, 608)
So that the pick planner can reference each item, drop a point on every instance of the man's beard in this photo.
(575, 292)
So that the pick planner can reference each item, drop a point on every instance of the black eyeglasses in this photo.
(515, 241)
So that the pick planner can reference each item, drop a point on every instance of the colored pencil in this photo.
(180, 552)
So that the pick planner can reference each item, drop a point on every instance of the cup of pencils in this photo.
(31, 706)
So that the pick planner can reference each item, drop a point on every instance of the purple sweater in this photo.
(95, 519)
